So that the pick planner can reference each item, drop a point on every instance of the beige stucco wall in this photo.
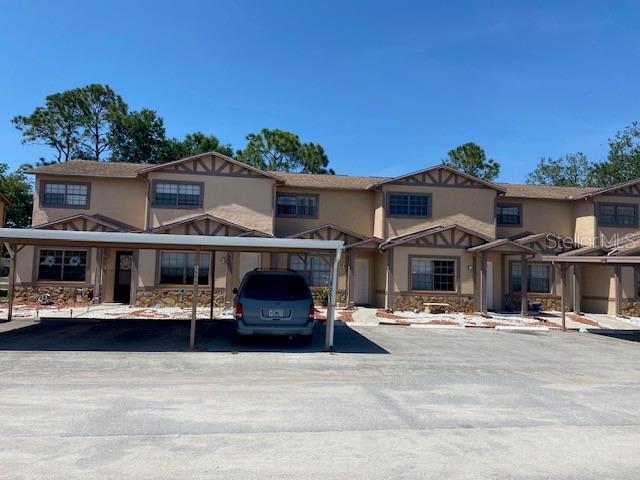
(244, 201)
(118, 198)
(585, 222)
(353, 210)
(472, 208)
(540, 216)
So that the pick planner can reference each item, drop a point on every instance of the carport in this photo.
(15, 239)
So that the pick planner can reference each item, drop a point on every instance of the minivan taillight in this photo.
(312, 311)
(239, 310)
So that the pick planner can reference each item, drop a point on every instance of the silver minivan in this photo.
(274, 302)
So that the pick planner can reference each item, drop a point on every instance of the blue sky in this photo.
(385, 87)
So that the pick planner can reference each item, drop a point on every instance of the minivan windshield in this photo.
(276, 287)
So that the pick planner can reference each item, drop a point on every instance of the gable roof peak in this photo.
(161, 166)
(446, 168)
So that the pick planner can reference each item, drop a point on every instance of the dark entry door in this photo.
(122, 287)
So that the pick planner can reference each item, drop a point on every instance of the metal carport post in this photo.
(196, 243)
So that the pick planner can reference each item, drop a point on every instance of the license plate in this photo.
(276, 313)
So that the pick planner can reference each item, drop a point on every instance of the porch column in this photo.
(13, 254)
(388, 297)
(563, 295)
(483, 284)
(476, 302)
(194, 301)
(577, 293)
(350, 286)
(228, 289)
(212, 275)
(331, 308)
(617, 276)
(524, 285)
(97, 286)
(135, 272)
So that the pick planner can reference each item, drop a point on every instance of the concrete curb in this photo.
(522, 329)
(435, 326)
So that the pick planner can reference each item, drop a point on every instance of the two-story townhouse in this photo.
(436, 235)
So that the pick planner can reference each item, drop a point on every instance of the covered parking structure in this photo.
(15, 239)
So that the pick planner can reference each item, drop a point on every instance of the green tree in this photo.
(17, 189)
(137, 137)
(100, 107)
(282, 151)
(75, 123)
(193, 144)
(569, 170)
(57, 125)
(623, 160)
(471, 159)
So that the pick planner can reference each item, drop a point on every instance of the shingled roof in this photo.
(523, 190)
(89, 168)
(329, 182)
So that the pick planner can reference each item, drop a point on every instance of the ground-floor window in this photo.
(62, 265)
(314, 268)
(176, 268)
(433, 274)
(539, 277)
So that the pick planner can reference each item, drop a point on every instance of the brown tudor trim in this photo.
(456, 279)
(154, 184)
(43, 183)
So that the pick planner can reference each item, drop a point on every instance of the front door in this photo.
(361, 281)
(122, 286)
(489, 290)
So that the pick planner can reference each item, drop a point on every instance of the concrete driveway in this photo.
(394, 402)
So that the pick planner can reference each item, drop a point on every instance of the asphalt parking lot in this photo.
(118, 399)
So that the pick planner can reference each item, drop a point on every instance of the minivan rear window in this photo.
(276, 287)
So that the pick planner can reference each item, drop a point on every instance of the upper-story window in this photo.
(173, 194)
(410, 205)
(509, 215)
(617, 215)
(297, 205)
(65, 194)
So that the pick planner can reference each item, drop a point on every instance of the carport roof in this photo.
(159, 240)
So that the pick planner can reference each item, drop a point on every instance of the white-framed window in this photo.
(315, 269)
(176, 268)
(167, 194)
(296, 205)
(538, 277)
(432, 274)
(62, 265)
(65, 194)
